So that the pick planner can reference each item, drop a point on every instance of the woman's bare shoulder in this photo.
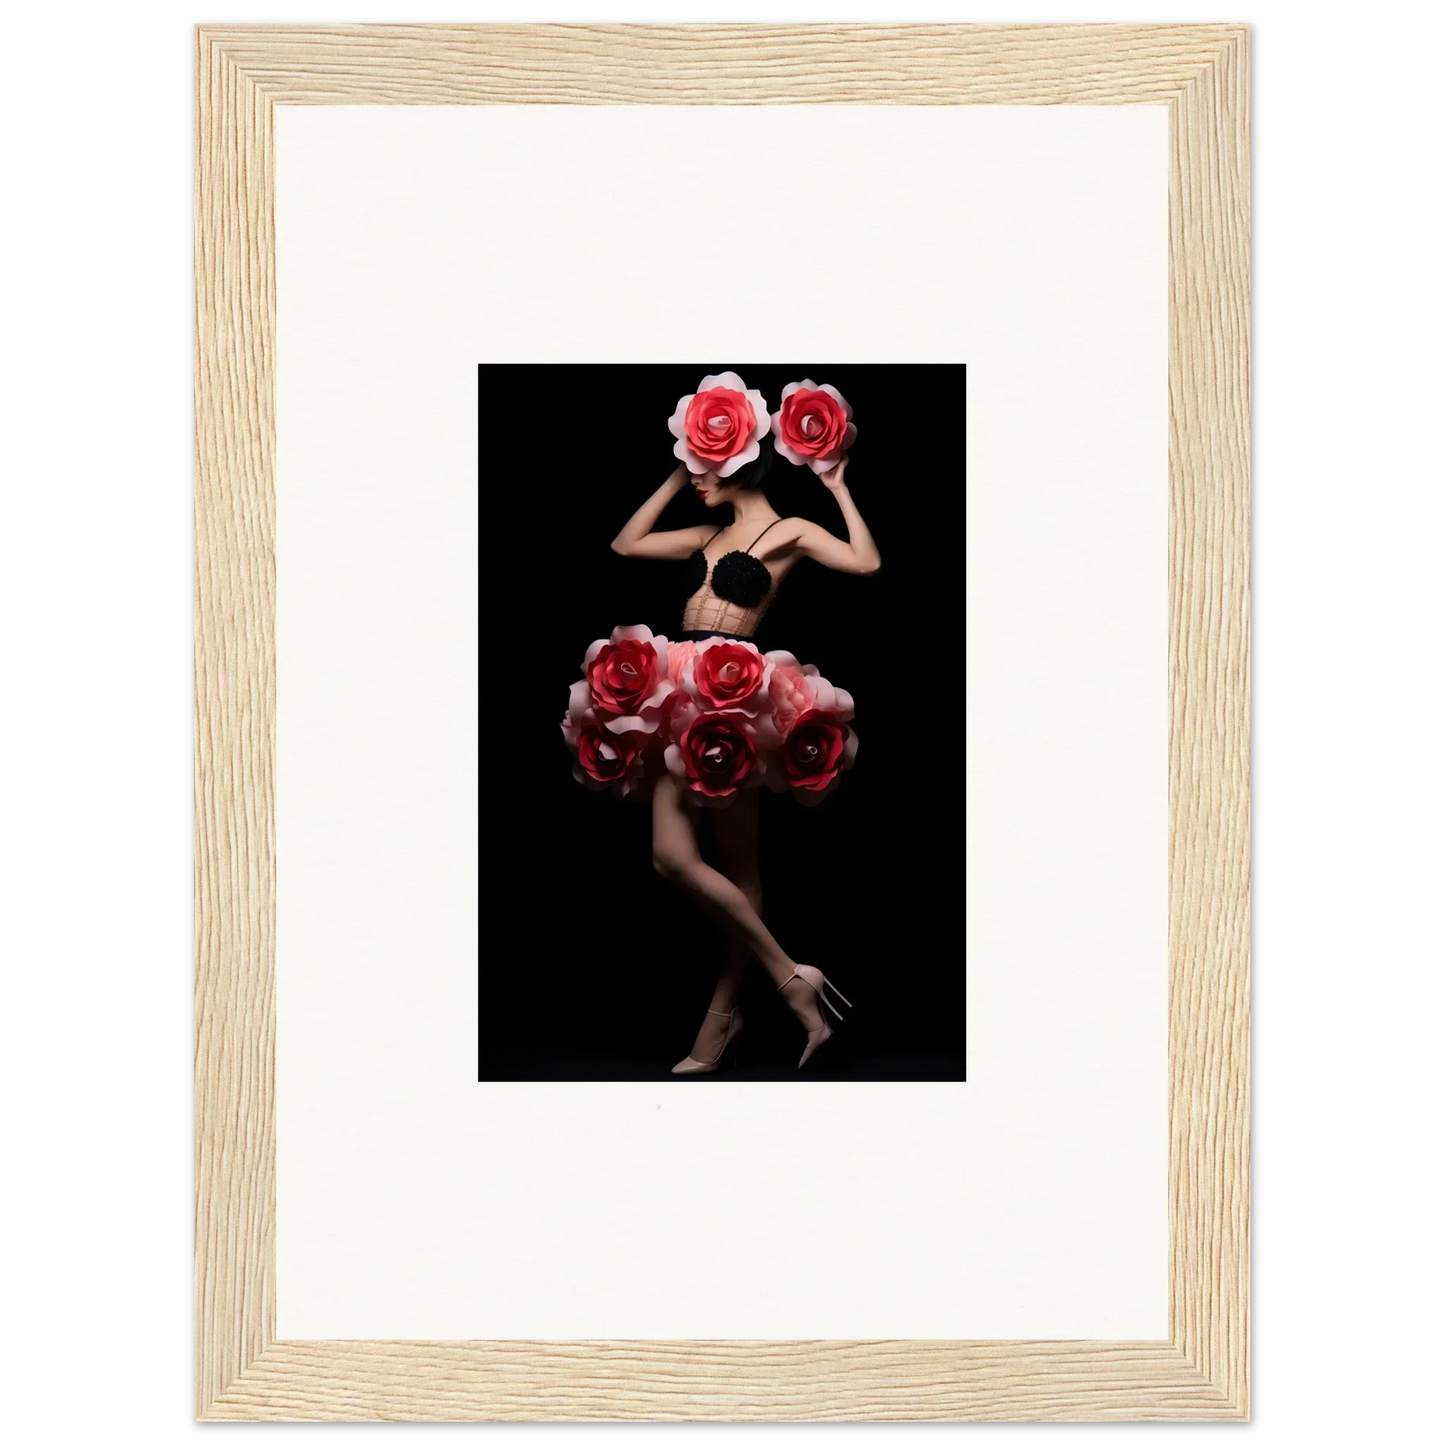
(785, 532)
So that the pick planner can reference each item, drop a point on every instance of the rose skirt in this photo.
(718, 715)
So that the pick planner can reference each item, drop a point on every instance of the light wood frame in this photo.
(243, 1372)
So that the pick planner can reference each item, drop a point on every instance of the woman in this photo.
(736, 571)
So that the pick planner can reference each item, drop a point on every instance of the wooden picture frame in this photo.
(1201, 1372)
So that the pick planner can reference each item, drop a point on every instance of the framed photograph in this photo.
(722, 722)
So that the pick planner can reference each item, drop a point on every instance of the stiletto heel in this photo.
(691, 1065)
(821, 985)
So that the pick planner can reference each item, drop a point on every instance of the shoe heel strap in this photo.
(820, 988)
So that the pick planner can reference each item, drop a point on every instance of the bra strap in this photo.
(763, 533)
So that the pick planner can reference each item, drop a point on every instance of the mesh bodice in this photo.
(732, 594)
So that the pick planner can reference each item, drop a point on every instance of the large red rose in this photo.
(714, 754)
(617, 709)
(718, 427)
(814, 425)
(624, 675)
(719, 423)
(728, 675)
(610, 758)
(815, 751)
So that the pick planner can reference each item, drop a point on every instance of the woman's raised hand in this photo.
(834, 479)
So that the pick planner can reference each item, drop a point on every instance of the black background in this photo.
(591, 966)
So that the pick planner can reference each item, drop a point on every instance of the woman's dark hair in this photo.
(754, 474)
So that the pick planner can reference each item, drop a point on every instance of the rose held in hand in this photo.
(714, 754)
(814, 426)
(719, 426)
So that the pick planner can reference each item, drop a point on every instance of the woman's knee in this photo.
(673, 864)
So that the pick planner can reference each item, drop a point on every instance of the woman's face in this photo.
(713, 490)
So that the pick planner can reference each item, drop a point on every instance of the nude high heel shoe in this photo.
(691, 1065)
(819, 982)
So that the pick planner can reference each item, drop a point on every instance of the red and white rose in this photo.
(725, 675)
(814, 425)
(810, 717)
(607, 759)
(616, 711)
(818, 750)
(627, 676)
(719, 426)
(715, 754)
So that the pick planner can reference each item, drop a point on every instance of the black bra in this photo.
(737, 577)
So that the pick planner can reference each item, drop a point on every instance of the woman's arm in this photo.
(637, 539)
(859, 554)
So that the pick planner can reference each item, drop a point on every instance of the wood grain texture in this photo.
(1202, 1371)
(721, 1380)
(1209, 723)
(723, 64)
(235, 702)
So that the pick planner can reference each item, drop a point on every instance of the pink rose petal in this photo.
(729, 379)
(690, 459)
(629, 724)
(748, 454)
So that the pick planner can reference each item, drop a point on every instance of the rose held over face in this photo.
(714, 755)
(718, 427)
(814, 426)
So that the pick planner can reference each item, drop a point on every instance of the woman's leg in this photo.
(735, 831)
(676, 857)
